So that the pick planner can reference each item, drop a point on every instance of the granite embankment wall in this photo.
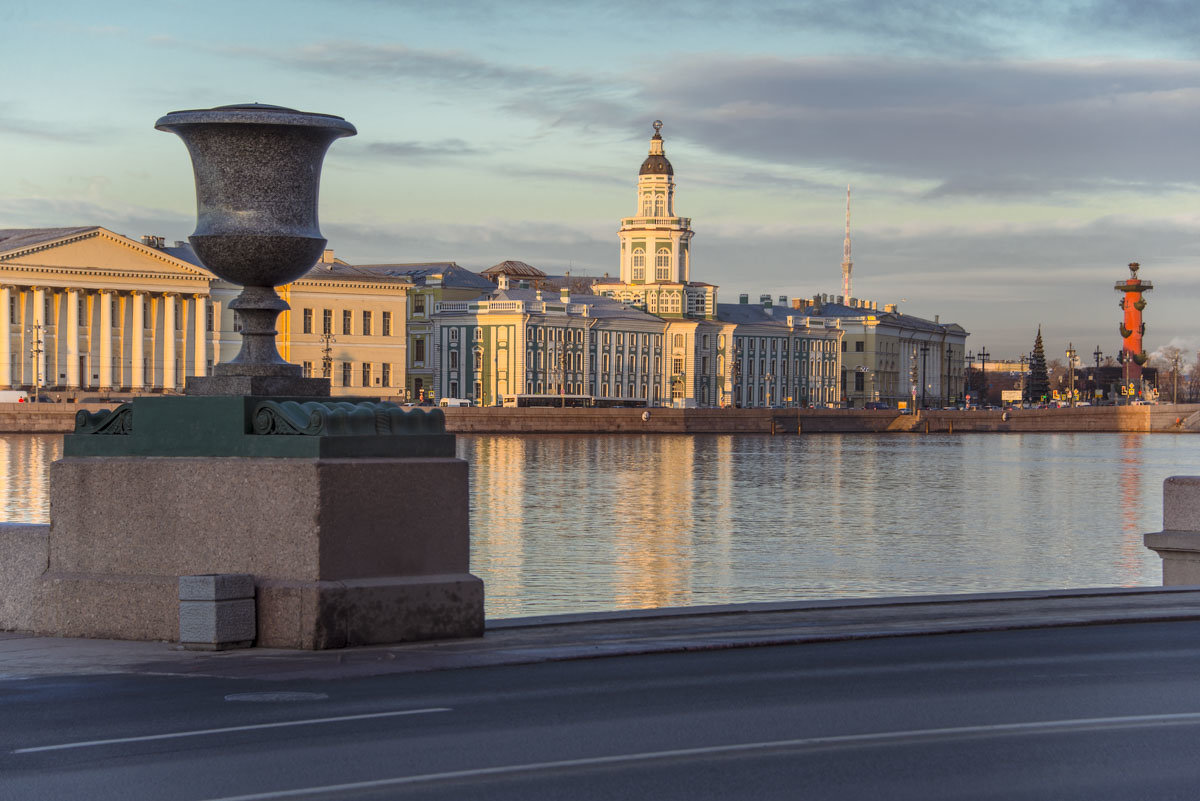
(1182, 418)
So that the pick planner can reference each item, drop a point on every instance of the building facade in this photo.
(88, 310)
(654, 336)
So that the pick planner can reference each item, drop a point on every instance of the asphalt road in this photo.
(1095, 712)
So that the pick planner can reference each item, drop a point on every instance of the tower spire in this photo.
(847, 262)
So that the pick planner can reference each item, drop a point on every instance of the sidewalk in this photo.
(561, 637)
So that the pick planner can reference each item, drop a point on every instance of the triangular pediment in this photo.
(97, 258)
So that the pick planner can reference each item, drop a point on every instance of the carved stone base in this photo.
(343, 551)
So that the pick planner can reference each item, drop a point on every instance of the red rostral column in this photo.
(1132, 328)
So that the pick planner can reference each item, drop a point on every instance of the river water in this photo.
(583, 523)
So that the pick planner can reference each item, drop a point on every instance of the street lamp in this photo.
(949, 380)
(1071, 372)
(36, 350)
(924, 356)
(327, 341)
(983, 357)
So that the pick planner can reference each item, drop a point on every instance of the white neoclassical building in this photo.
(86, 308)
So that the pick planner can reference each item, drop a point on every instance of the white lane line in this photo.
(253, 727)
(877, 738)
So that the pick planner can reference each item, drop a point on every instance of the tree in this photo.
(1038, 388)
(1167, 360)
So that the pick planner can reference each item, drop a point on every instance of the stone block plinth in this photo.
(1179, 542)
(343, 551)
(216, 611)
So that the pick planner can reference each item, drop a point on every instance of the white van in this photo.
(13, 396)
(454, 402)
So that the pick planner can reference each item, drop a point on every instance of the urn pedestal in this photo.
(350, 515)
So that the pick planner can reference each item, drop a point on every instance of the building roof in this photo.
(19, 238)
(518, 269)
(451, 274)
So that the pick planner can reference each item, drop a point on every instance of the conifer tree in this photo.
(1037, 389)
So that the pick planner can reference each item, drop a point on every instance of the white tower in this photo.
(654, 244)
(847, 263)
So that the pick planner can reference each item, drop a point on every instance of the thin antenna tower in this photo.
(847, 262)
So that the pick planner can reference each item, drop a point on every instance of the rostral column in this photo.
(1132, 328)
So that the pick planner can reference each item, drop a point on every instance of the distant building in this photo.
(654, 336)
(889, 357)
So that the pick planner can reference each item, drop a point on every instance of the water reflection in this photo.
(579, 523)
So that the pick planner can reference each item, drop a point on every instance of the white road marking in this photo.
(877, 738)
(226, 729)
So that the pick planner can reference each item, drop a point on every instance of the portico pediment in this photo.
(96, 258)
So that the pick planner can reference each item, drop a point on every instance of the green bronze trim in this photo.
(341, 419)
(117, 421)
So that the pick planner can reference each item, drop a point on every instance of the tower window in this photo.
(660, 206)
(662, 264)
(639, 265)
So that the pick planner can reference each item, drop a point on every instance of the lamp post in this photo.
(949, 379)
(36, 350)
(983, 357)
(327, 341)
(924, 357)
(1024, 359)
(970, 368)
(1071, 373)
(1175, 391)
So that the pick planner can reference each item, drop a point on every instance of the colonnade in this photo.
(75, 338)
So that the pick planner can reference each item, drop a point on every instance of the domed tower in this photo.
(654, 244)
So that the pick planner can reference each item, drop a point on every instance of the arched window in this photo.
(662, 264)
(647, 205)
(639, 265)
(660, 206)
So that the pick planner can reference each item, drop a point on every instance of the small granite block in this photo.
(216, 624)
(216, 587)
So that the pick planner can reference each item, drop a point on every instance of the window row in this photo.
(366, 325)
(365, 375)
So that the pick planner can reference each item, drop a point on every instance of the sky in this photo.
(1007, 159)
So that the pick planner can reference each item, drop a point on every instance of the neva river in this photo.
(585, 523)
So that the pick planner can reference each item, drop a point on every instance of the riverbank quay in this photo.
(59, 418)
(522, 641)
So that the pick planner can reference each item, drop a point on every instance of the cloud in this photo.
(1003, 128)
(46, 131)
(423, 151)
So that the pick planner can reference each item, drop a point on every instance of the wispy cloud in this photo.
(423, 151)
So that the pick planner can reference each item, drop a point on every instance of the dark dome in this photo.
(656, 165)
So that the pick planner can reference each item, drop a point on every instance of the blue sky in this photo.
(1008, 159)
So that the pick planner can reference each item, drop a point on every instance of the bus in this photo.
(561, 401)
(619, 403)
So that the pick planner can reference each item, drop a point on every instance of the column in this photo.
(201, 353)
(37, 337)
(168, 368)
(106, 354)
(137, 356)
(5, 336)
(73, 339)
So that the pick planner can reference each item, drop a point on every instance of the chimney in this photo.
(327, 256)
(151, 240)
(564, 294)
(796, 303)
(765, 300)
(935, 319)
(890, 308)
(783, 300)
(743, 299)
(502, 281)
